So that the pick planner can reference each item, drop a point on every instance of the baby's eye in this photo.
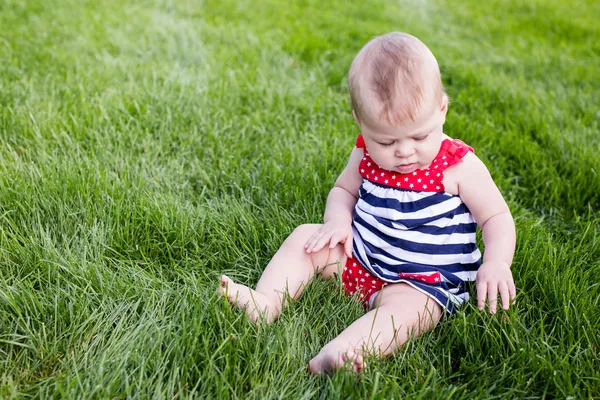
(386, 144)
(421, 138)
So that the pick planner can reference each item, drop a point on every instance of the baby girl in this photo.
(401, 218)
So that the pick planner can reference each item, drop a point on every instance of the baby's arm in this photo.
(481, 195)
(337, 227)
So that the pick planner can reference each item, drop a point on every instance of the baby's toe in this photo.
(224, 284)
(353, 361)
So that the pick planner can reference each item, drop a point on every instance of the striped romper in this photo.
(408, 229)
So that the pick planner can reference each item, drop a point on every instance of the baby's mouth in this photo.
(406, 167)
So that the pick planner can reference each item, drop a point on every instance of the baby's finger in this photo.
(348, 246)
(481, 292)
(310, 239)
(492, 296)
(512, 291)
(335, 239)
(313, 240)
(323, 240)
(503, 288)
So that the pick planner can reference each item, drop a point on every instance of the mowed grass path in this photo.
(147, 147)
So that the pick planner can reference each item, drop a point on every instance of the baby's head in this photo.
(398, 101)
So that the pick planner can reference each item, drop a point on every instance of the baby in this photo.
(401, 218)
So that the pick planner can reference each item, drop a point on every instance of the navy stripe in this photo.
(401, 206)
(447, 230)
(415, 247)
(470, 227)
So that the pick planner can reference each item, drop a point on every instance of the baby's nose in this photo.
(404, 151)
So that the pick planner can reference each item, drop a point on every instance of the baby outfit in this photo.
(406, 228)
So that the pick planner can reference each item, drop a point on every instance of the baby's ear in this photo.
(445, 102)
(444, 108)
(355, 117)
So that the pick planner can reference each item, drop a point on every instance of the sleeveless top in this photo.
(408, 229)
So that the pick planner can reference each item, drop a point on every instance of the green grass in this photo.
(147, 147)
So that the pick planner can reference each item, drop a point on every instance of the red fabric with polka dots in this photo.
(354, 276)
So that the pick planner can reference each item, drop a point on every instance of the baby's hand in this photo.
(332, 232)
(495, 277)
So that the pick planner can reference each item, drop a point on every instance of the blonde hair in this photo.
(401, 72)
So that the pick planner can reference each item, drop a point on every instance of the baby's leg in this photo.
(290, 270)
(403, 312)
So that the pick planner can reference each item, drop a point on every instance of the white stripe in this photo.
(465, 218)
(458, 299)
(403, 196)
(362, 255)
(416, 236)
(466, 275)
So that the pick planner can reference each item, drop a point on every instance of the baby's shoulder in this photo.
(471, 168)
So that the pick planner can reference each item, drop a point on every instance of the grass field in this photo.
(147, 147)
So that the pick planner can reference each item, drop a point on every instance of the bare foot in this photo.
(335, 356)
(256, 305)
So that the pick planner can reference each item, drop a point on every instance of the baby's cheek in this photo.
(430, 154)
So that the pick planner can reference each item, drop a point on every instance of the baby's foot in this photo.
(335, 356)
(256, 305)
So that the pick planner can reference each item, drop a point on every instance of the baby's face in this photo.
(409, 147)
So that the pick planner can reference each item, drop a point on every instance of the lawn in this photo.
(147, 147)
